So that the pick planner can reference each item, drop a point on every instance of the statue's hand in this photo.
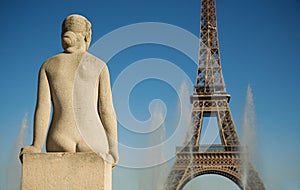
(28, 149)
(115, 158)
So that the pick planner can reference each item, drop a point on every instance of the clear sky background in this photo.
(259, 45)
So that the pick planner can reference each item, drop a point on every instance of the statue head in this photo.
(76, 33)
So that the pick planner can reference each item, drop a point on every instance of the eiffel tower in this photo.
(210, 99)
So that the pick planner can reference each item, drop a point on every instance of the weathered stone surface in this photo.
(75, 171)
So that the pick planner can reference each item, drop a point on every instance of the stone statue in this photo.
(78, 85)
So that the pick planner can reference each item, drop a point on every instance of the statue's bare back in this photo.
(64, 134)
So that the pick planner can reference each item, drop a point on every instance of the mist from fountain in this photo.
(153, 178)
(248, 139)
(159, 136)
(184, 107)
(14, 165)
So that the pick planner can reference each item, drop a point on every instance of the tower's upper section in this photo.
(209, 78)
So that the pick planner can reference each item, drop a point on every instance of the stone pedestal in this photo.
(55, 171)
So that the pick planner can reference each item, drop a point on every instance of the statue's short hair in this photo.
(77, 24)
(73, 26)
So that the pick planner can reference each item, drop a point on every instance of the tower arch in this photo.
(225, 174)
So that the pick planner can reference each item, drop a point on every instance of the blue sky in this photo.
(258, 43)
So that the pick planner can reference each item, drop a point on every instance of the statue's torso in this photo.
(74, 94)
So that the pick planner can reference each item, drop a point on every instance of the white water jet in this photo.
(248, 135)
(153, 178)
(184, 108)
(14, 165)
(184, 111)
(159, 171)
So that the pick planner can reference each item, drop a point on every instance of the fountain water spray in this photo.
(153, 178)
(185, 110)
(159, 136)
(14, 165)
(248, 135)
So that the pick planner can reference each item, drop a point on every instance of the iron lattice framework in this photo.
(210, 98)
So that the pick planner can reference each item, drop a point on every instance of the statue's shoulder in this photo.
(95, 59)
(53, 60)
(56, 57)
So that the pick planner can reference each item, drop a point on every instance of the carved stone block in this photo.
(55, 171)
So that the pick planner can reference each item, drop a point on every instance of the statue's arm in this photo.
(41, 116)
(107, 113)
(42, 111)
